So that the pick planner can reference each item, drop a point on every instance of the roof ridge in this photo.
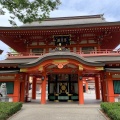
(75, 17)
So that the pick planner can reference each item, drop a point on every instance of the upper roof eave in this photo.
(75, 17)
(104, 59)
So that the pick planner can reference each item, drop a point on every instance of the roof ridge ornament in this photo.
(60, 48)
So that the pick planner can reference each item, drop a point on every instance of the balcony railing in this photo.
(81, 53)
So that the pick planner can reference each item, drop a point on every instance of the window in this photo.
(34, 43)
(83, 42)
(116, 84)
(87, 49)
(37, 50)
(64, 40)
(10, 87)
(92, 41)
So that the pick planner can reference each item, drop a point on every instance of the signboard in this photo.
(64, 40)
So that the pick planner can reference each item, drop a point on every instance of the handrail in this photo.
(82, 53)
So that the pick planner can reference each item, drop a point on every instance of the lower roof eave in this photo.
(61, 55)
(112, 69)
(9, 71)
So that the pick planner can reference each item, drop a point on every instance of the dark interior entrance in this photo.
(63, 87)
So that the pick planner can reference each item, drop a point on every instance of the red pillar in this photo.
(86, 86)
(26, 87)
(105, 90)
(34, 88)
(40, 86)
(22, 92)
(97, 88)
(110, 90)
(16, 97)
(22, 89)
(102, 90)
(103, 87)
(80, 89)
(43, 89)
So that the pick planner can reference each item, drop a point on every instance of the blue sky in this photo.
(110, 9)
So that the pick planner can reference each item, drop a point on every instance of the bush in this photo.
(8, 108)
(114, 114)
(111, 109)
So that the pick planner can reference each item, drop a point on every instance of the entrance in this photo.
(63, 87)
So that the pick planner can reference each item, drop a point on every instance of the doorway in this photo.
(63, 87)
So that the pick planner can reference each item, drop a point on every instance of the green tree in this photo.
(28, 11)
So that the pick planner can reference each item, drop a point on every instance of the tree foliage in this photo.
(28, 11)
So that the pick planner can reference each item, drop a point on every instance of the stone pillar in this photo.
(34, 88)
(43, 88)
(97, 88)
(80, 89)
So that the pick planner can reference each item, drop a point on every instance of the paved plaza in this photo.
(58, 112)
(61, 111)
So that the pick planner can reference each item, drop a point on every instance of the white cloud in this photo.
(66, 13)
(88, 7)
(110, 9)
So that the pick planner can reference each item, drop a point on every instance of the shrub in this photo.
(111, 109)
(114, 114)
(8, 108)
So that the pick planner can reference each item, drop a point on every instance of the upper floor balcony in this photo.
(102, 52)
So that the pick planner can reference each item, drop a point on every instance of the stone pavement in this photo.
(62, 110)
(32, 111)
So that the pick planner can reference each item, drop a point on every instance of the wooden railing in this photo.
(105, 52)
(81, 53)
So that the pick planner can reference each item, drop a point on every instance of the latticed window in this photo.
(87, 50)
(116, 84)
(37, 51)
(9, 86)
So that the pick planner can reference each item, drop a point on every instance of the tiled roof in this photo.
(112, 69)
(91, 60)
(60, 21)
(9, 71)
(59, 55)
(104, 59)
(16, 61)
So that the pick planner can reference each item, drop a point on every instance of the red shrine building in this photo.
(63, 53)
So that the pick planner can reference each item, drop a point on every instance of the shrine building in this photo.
(63, 53)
